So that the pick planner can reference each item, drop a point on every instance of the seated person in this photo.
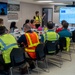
(50, 34)
(65, 36)
(13, 26)
(30, 40)
(6, 40)
(32, 24)
(59, 29)
(65, 32)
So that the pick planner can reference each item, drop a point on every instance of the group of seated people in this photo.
(29, 41)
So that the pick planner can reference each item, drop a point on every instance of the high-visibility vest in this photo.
(7, 43)
(50, 36)
(37, 20)
(32, 41)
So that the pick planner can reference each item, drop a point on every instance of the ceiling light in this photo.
(44, 1)
(58, 3)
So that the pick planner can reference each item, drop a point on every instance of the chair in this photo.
(40, 56)
(52, 48)
(65, 46)
(17, 57)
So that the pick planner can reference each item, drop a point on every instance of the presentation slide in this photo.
(68, 14)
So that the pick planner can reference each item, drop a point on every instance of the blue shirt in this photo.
(64, 33)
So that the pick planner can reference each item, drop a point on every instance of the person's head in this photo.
(27, 27)
(50, 25)
(13, 25)
(1, 21)
(27, 21)
(32, 21)
(65, 25)
(37, 13)
(2, 9)
(2, 30)
(62, 22)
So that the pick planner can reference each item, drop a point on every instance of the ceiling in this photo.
(55, 1)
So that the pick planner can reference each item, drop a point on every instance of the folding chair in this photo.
(18, 59)
(51, 49)
(40, 56)
(65, 47)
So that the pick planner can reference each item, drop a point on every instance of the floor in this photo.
(68, 68)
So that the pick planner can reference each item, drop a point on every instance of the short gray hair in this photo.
(27, 26)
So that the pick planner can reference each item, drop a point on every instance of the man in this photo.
(50, 34)
(65, 32)
(1, 21)
(59, 29)
(38, 19)
(30, 40)
(7, 43)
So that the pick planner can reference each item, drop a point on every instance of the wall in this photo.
(27, 11)
(55, 15)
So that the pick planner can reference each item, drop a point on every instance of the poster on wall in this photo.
(13, 7)
(57, 8)
(12, 16)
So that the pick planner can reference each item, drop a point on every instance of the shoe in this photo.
(23, 70)
(32, 66)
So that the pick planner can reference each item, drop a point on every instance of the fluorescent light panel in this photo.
(58, 3)
(44, 1)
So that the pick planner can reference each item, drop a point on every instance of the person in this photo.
(59, 29)
(29, 40)
(38, 19)
(6, 46)
(1, 22)
(2, 11)
(65, 32)
(13, 26)
(50, 34)
(32, 24)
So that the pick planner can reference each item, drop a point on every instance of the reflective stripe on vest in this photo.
(6, 47)
(31, 44)
(29, 50)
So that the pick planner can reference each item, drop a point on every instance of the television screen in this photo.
(3, 8)
(68, 14)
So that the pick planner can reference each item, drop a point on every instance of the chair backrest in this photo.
(17, 56)
(64, 43)
(51, 47)
(40, 54)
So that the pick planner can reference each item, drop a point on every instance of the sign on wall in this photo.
(13, 7)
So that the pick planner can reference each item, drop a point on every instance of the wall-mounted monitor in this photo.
(3, 8)
(68, 14)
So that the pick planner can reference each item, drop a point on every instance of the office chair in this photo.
(65, 47)
(18, 59)
(51, 49)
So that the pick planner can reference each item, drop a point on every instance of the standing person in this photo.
(1, 22)
(38, 19)
(7, 43)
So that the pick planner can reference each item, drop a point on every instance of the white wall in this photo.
(27, 11)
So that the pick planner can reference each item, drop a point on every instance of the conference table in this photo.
(17, 33)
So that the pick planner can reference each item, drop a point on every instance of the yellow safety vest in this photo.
(7, 43)
(37, 20)
(50, 36)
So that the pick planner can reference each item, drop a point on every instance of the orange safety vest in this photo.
(32, 41)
